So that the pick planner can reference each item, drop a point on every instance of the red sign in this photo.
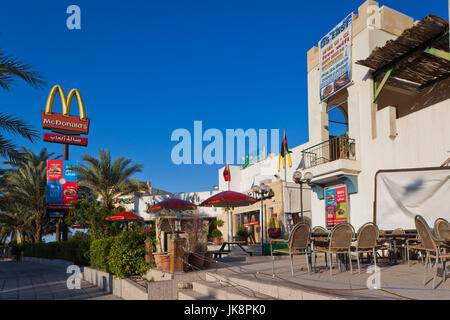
(54, 170)
(253, 223)
(57, 138)
(70, 192)
(64, 124)
(336, 206)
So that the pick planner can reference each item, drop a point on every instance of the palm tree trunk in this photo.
(38, 233)
(58, 231)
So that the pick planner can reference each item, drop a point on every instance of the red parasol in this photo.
(172, 204)
(124, 216)
(78, 226)
(229, 199)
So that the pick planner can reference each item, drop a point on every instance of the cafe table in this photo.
(393, 239)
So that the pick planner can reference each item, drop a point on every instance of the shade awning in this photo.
(420, 54)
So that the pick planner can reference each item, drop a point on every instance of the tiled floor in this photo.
(30, 281)
(401, 279)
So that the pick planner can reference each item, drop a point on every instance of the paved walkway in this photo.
(401, 279)
(32, 281)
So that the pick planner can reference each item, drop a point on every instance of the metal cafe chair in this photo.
(442, 231)
(298, 243)
(366, 242)
(339, 242)
(319, 241)
(432, 246)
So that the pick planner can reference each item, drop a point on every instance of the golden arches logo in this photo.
(66, 102)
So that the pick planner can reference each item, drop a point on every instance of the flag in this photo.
(284, 153)
(226, 173)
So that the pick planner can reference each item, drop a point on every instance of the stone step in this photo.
(223, 291)
(192, 295)
(273, 288)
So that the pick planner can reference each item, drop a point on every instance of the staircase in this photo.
(247, 287)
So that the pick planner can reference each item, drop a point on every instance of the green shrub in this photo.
(127, 255)
(99, 252)
(216, 233)
(242, 231)
(72, 250)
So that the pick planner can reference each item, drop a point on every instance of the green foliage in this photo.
(92, 213)
(219, 223)
(109, 179)
(99, 253)
(216, 233)
(72, 250)
(127, 255)
(242, 231)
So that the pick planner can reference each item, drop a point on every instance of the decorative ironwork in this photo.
(329, 150)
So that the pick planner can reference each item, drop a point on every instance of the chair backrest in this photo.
(300, 236)
(425, 233)
(319, 229)
(439, 227)
(341, 236)
(398, 231)
(367, 236)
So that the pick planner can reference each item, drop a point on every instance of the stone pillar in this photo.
(177, 252)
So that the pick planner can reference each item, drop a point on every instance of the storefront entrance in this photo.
(251, 221)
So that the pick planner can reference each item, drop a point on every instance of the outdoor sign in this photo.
(62, 184)
(65, 123)
(335, 58)
(57, 138)
(253, 157)
(336, 205)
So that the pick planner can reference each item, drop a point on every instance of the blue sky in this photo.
(146, 68)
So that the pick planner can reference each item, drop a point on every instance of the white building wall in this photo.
(420, 139)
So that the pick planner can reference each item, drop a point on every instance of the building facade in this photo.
(405, 126)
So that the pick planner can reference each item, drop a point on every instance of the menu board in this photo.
(336, 205)
(62, 184)
(335, 58)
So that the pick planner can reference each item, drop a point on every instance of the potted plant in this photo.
(217, 236)
(197, 247)
(219, 223)
(242, 234)
(162, 260)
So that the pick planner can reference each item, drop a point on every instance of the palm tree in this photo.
(15, 219)
(10, 69)
(26, 184)
(107, 180)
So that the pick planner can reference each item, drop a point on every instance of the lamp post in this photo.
(297, 177)
(261, 192)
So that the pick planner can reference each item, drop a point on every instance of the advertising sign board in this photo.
(62, 184)
(336, 208)
(335, 58)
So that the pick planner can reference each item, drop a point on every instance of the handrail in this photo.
(332, 149)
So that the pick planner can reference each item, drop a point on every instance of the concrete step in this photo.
(272, 288)
(224, 291)
(192, 295)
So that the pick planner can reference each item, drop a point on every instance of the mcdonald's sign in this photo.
(65, 123)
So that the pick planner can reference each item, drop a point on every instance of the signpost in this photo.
(62, 181)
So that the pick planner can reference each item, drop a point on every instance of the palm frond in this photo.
(11, 67)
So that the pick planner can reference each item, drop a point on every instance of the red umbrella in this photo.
(124, 216)
(78, 226)
(229, 199)
(172, 204)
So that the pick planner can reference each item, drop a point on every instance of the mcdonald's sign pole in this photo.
(69, 126)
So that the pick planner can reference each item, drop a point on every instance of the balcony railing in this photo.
(330, 150)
